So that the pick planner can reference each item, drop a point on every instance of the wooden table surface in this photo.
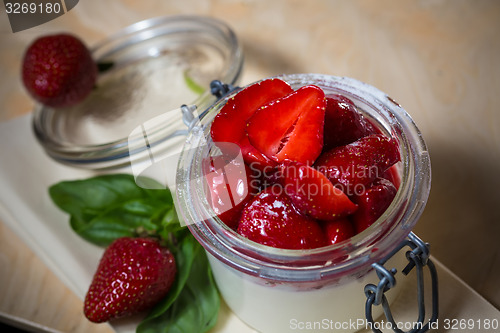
(440, 59)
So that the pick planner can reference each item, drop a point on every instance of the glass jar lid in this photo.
(146, 70)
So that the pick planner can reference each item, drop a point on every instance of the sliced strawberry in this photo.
(338, 230)
(270, 219)
(372, 203)
(254, 158)
(290, 127)
(393, 176)
(343, 123)
(230, 123)
(313, 194)
(359, 163)
(229, 187)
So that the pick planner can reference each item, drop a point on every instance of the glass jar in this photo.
(279, 290)
(146, 69)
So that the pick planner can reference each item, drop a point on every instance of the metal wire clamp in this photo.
(418, 258)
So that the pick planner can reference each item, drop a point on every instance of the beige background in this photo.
(440, 59)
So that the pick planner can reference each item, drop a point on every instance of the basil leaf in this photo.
(108, 207)
(89, 197)
(120, 221)
(196, 307)
(184, 253)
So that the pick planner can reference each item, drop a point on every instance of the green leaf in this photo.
(197, 300)
(192, 85)
(108, 207)
(120, 221)
(104, 66)
(89, 197)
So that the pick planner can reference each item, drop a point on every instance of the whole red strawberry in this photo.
(132, 276)
(58, 70)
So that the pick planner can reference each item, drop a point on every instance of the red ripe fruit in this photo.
(270, 219)
(132, 276)
(313, 194)
(343, 123)
(230, 123)
(230, 184)
(58, 70)
(372, 203)
(359, 163)
(291, 127)
(338, 230)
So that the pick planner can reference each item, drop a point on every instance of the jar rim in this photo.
(118, 152)
(343, 258)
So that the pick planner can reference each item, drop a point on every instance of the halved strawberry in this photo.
(343, 123)
(230, 123)
(372, 203)
(338, 230)
(290, 127)
(229, 186)
(270, 219)
(313, 194)
(359, 163)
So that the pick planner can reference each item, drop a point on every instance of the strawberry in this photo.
(343, 123)
(132, 276)
(230, 123)
(58, 70)
(313, 194)
(359, 163)
(372, 203)
(393, 176)
(230, 184)
(270, 219)
(338, 230)
(290, 127)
